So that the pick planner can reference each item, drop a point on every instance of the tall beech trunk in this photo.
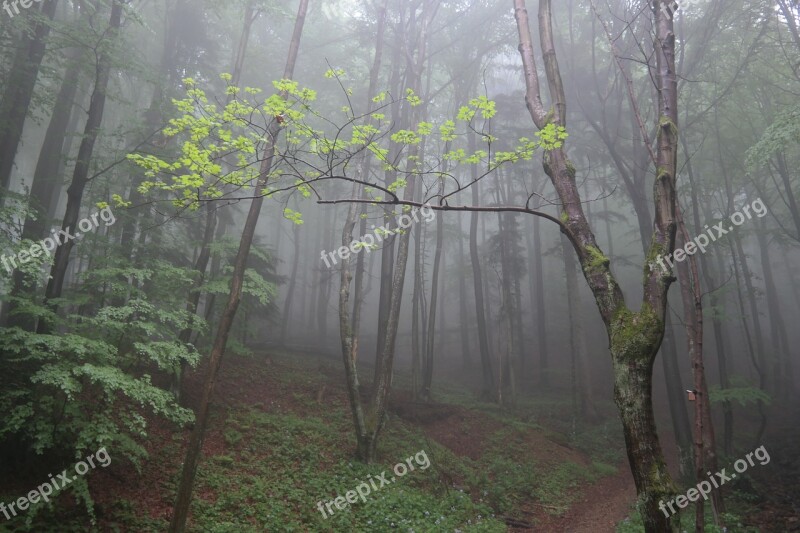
(209, 228)
(677, 399)
(634, 336)
(716, 323)
(80, 175)
(287, 305)
(184, 496)
(19, 88)
(466, 345)
(705, 454)
(477, 279)
(389, 176)
(537, 286)
(782, 363)
(47, 180)
(427, 377)
(417, 309)
(580, 386)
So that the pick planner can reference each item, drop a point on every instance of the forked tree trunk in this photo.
(184, 496)
(384, 367)
(349, 325)
(634, 336)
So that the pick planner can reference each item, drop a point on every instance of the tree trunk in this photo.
(19, 88)
(466, 345)
(47, 180)
(381, 387)
(782, 363)
(437, 261)
(349, 330)
(184, 496)
(477, 278)
(634, 337)
(705, 454)
(287, 305)
(677, 398)
(537, 282)
(80, 176)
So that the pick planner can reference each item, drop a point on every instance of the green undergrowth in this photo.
(732, 521)
(278, 467)
(275, 459)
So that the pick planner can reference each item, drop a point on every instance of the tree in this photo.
(634, 336)
(184, 496)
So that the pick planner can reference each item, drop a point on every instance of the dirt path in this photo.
(602, 507)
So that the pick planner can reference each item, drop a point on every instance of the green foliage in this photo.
(731, 519)
(741, 395)
(783, 133)
(222, 148)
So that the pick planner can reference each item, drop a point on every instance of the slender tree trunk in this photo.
(200, 266)
(539, 306)
(477, 278)
(184, 496)
(80, 175)
(466, 345)
(287, 305)
(47, 180)
(677, 398)
(417, 308)
(437, 261)
(376, 412)
(579, 401)
(388, 248)
(16, 99)
(705, 455)
(782, 364)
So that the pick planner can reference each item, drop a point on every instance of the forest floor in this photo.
(280, 440)
(483, 476)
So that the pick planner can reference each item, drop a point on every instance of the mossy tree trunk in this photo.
(634, 337)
